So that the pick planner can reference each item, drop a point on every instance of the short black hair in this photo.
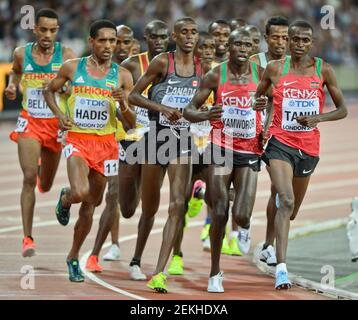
(300, 24)
(155, 23)
(46, 13)
(219, 21)
(183, 19)
(237, 32)
(100, 24)
(204, 35)
(275, 21)
(239, 21)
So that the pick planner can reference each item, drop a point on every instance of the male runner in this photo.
(174, 77)
(235, 135)
(293, 150)
(156, 35)
(135, 47)
(276, 36)
(90, 148)
(37, 132)
(237, 23)
(256, 38)
(220, 30)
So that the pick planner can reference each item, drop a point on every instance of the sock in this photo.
(281, 267)
(234, 234)
(135, 262)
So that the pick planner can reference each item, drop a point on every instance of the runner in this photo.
(37, 133)
(237, 23)
(90, 147)
(220, 30)
(122, 52)
(174, 77)
(205, 51)
(235, 135)
(136, 49)
(276, 36)
(129, 179)
(293, 150)
(256, 38)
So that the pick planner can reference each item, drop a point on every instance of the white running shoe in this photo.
(136, 273)
(268, 256)
(244, 240)
(113, 254)
(206, 244)
(215, 283)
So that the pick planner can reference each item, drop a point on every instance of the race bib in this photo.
(175, 102)
(67, 151)
(293, 108)
(110, 168)
(91, 113)
(239, 122)
(142, 116)
(21, 124)
(36, 104)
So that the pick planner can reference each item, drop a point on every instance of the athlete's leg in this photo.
(300, 185)
(97, 184)
(219, 194)
(152, 180)
(179, 179)
(282, 177)
(29, 151)
(48, 168)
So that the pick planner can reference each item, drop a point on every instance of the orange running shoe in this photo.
(92, 264)
(28, 247)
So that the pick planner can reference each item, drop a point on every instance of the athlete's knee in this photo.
(30, 178)
(177, 206)
(219, 210)
(287, 200)
(78, 194)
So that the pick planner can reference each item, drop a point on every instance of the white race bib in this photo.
(21, 124)
(36, 104)
(91, 113)
(239, 122)
(293, 108)
(110, 168)
(175, 102)
(67, 151)
(142, 116)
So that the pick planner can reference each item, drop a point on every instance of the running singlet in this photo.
(294, 96)
(240, 125)
(174, 92)
(32, 80)
(91, 105)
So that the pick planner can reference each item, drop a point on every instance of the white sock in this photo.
(281, 267)
(234, 234)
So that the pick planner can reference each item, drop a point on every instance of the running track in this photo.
(332, 188)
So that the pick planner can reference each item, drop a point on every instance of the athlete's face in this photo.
(135, 49)
(186, 36)
(240, 48)
(104, 44)
(205, 49)
(157, 40)
(46, 31)
(221, 34)
(124, 45)
(256, 39)
(300, 41)
(277, 40)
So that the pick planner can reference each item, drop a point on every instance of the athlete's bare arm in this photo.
(132, 64)
(65, 74)
(155, 73)
(127, 113)
(191, 111)
(16, 73)
(337, 96)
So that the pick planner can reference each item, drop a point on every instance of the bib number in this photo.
(110, 168)
(239, 122)
(21, 124)
(67, 151)
(175, 102)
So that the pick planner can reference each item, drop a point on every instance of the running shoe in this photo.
(282, 282)
(207, 245)
(92, 264)
(225, 249)
(268, 256)
(215, 283)
(196, 202)
(234, 247)
(205, 232)
(244, 240)
(113, 254)
(62, 214)
(74, 271)
(136, 274)
(176, 266)
(158, 283)
(28, 247)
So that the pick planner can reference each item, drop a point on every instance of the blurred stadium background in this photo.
(338, 46)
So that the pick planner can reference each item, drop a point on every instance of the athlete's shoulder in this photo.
(19, 52)
(71, 64)
(275, 65)
(67, 53)
(255, 58)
